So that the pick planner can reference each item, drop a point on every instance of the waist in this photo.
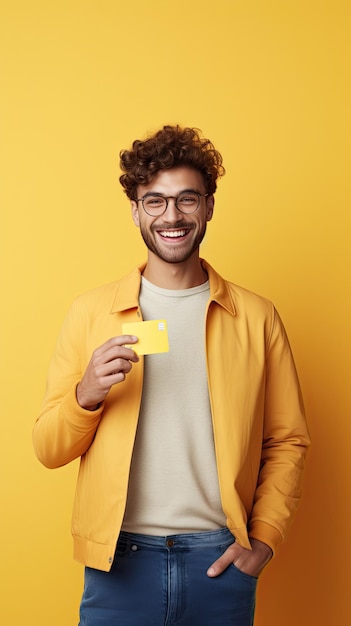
(183, 541)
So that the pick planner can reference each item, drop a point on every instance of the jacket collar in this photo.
(219, 289)
(127, 290)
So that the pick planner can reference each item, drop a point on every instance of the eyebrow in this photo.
(162, 195)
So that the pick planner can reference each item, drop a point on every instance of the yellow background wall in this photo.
(269, 83)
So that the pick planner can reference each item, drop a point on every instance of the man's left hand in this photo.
(250, 562)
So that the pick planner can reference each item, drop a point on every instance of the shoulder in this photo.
(112, 296)
(236, 298)
(257, 314)
(243, 296)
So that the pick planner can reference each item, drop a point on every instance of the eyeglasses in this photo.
(187, 202)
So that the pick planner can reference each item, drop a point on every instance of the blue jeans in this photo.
(162, 581)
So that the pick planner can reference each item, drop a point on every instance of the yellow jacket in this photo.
(259, 426)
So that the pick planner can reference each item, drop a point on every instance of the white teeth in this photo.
(173, 233)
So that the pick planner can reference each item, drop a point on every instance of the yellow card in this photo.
(152, 336)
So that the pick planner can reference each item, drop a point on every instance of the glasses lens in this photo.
(188, 202)
(154, 205)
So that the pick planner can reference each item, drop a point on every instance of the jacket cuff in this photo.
(266, 533)
(78, 417)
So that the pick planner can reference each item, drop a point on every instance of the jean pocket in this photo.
(124, 548)
(234, 567)
(244, 574)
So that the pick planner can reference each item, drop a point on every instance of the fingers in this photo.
(116, 368)
(250, 562)
(115, 348)
(114, 356)
(223, 562)
(109, 365)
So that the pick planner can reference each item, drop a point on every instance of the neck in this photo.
(184, 275)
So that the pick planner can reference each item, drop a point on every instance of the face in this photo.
(174, 237)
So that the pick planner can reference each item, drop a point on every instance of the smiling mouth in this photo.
(173, 234)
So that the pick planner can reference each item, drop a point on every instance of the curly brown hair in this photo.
(172, 146)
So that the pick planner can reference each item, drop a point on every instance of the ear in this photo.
(210, 201)
(135, 212)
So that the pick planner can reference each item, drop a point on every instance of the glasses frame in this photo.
(175, 198)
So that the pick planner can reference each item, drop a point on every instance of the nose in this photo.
(172, 212)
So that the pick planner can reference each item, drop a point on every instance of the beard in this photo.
(178, 254)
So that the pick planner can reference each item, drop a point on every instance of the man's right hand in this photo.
(108, 366)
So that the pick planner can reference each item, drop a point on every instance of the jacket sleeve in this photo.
(64, 430)
(285, 441)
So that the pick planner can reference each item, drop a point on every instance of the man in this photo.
(191, 459)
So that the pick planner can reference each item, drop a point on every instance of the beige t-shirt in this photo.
(173, 484)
